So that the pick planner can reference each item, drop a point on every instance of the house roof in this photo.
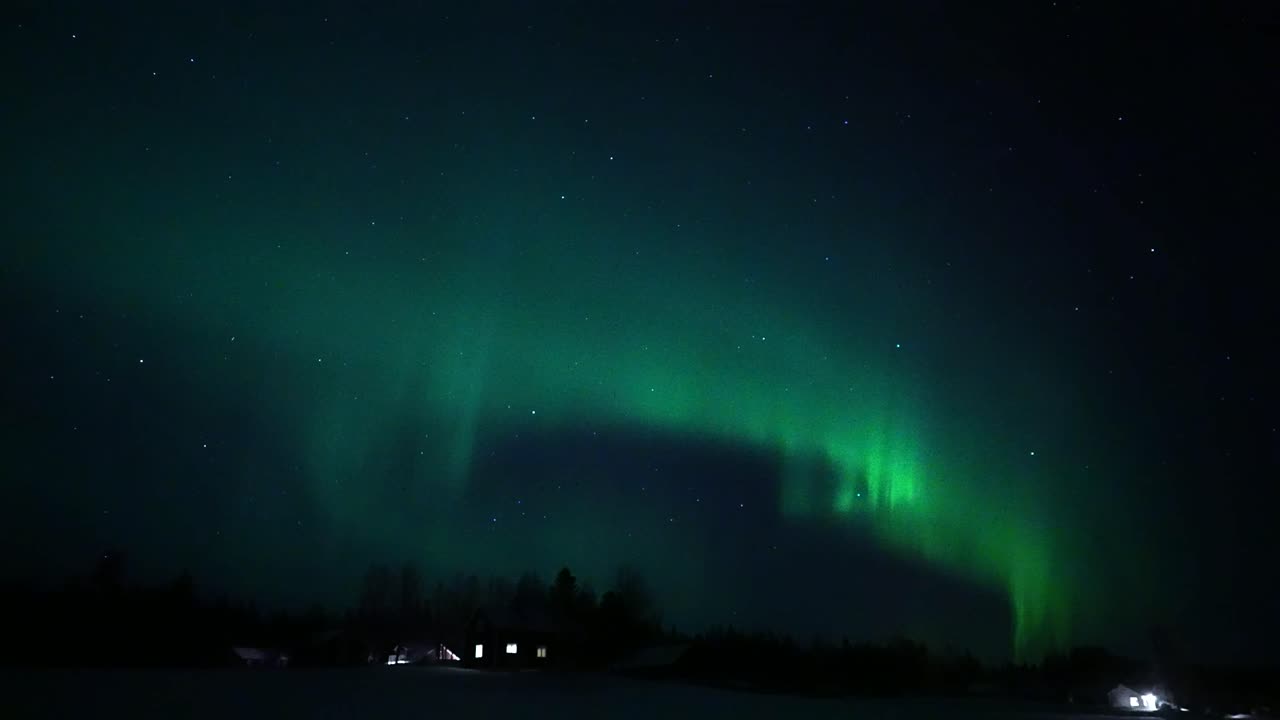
(507, 619)
(1121, 692)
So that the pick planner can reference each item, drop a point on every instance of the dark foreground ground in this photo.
(435, 692)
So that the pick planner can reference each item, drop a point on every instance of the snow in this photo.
(441, 692)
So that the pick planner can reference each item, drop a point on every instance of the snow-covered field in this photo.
(408, 692)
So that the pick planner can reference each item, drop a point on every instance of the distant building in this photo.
(506, 641)
(260, 657)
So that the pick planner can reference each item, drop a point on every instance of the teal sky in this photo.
(297, 297)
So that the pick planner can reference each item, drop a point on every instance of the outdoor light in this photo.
(511, 648)
(479, 651)
(1148, 702)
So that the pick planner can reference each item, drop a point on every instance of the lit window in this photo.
(542, 651)
(479, 651)
(511, 648)
(1148, 702)
(1133, 701)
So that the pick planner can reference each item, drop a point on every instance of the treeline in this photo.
(593, 630)
(1081, 677)
(103, 620)
(769, 662)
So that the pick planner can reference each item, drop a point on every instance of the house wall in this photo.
(495, 649)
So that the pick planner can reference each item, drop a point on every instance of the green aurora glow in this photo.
(560, 333)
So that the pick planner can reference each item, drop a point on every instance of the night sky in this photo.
(916, 319)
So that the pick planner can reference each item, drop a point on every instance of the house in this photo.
(1125, 698)
(510, 641)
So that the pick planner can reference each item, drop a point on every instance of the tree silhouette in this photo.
(564, 594)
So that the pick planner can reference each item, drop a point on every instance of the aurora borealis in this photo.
(754, 303)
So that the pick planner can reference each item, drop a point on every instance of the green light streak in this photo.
(544, 335)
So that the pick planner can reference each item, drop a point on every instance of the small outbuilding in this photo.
(421, 654)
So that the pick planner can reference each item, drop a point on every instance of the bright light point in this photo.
(533, 412)
(1033, 453)
(511, 648)
(897, 345)
(1148, 702)
(479, 651)
(1153, 249)
(141, 360)
(1133, 702)
(561, 197)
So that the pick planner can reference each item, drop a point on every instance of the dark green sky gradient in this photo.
(529, 312)
(490, 298)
